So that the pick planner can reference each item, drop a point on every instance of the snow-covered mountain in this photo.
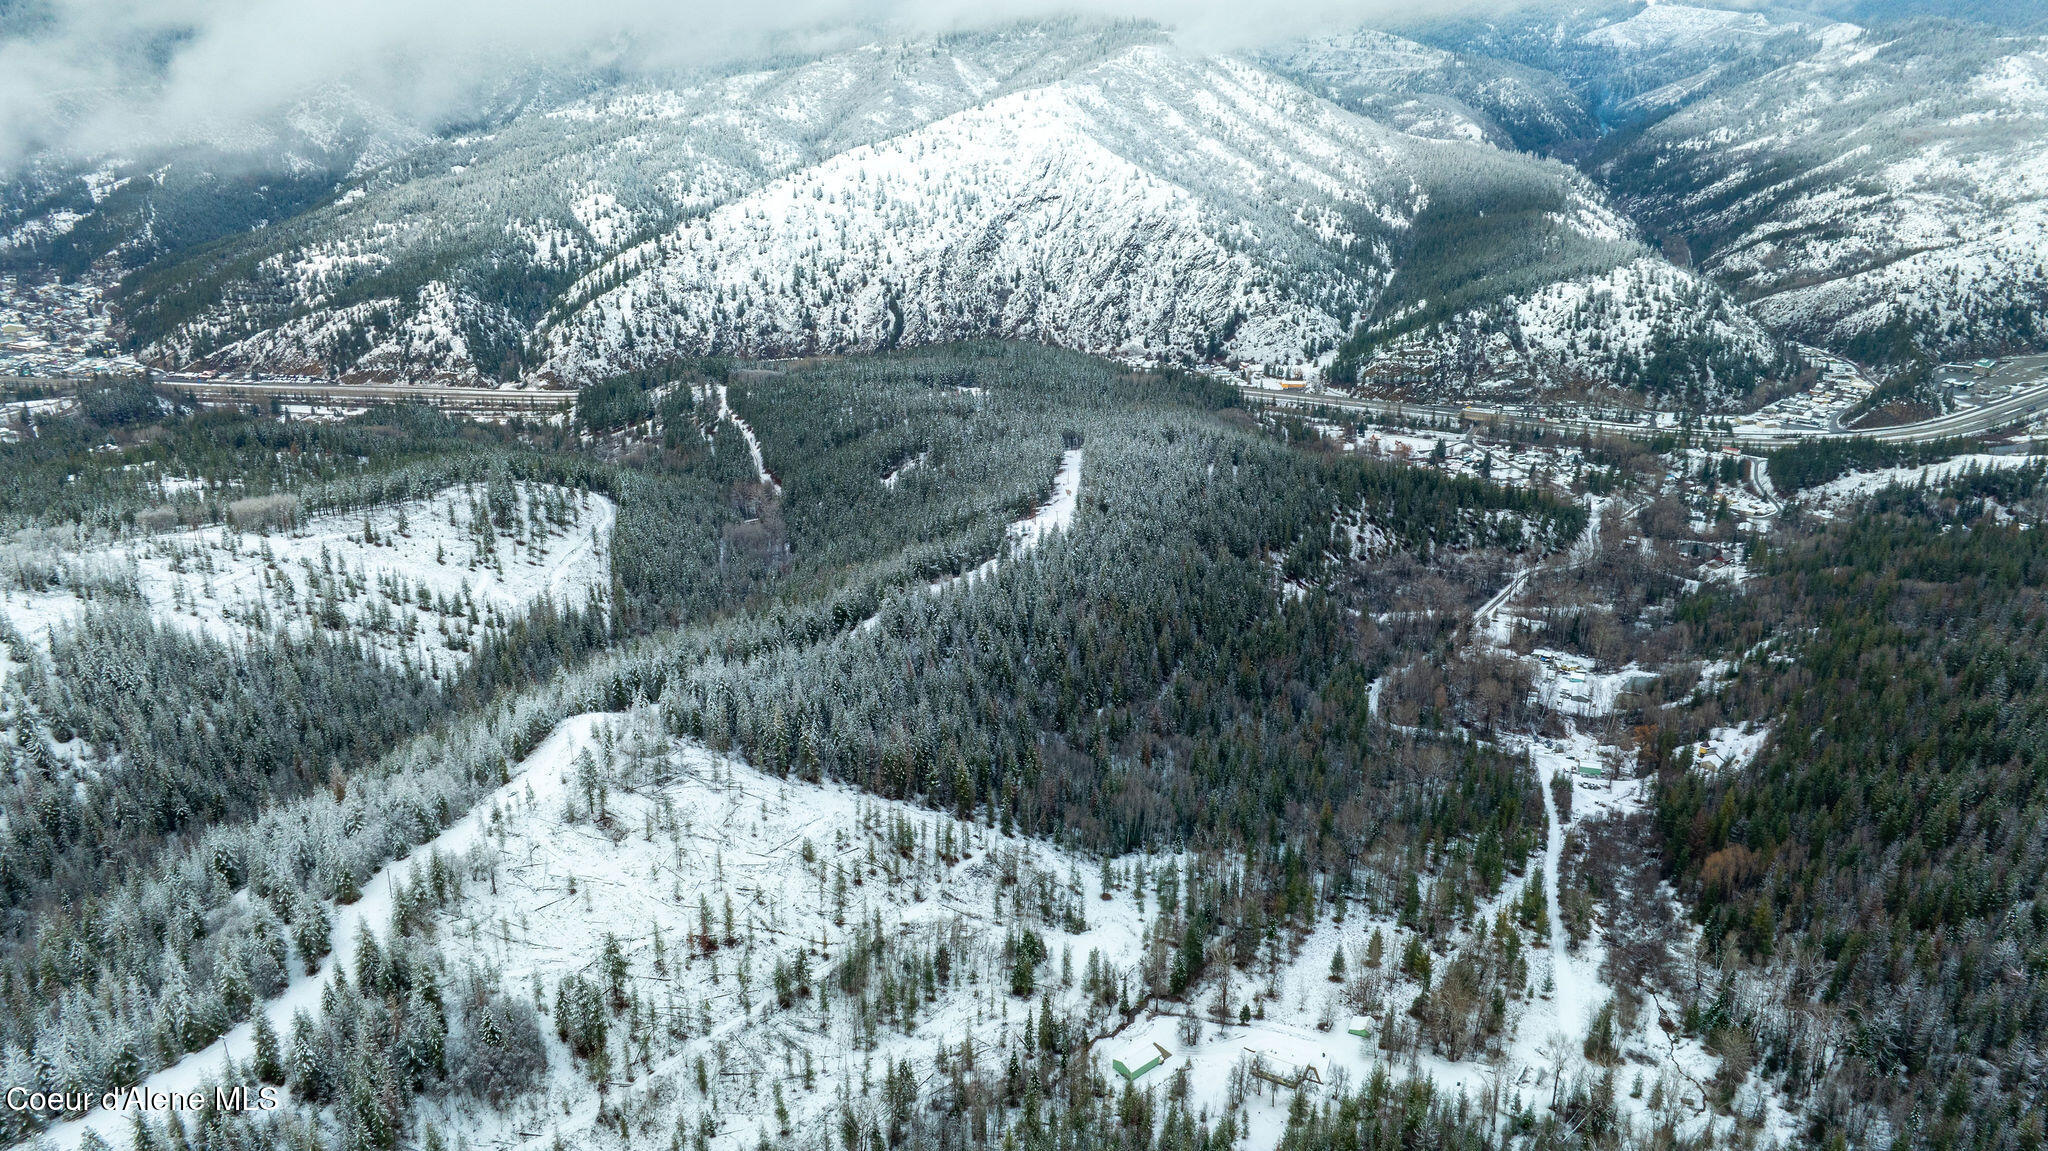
(1735, 179)
(1429, 91)
(1096, 186)
(1599, 67)
(1873, 190)
(122, 210)
(1157, 202)
(1664, 55)
(443, 264)
(1886, 194)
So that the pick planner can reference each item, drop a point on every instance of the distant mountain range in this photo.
(1649, 198)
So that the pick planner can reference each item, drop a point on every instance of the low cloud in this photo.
(90, 76)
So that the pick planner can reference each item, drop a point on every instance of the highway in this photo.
(482, 400)
(1966, 422)
(492, 401)
(314, 393)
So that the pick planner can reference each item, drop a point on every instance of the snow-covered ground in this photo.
(1024, 536)
(1657, 1053)
(709, 875)
(1663, 1073)
(781, 869)
(1836, 495)
(699, 829)
(1731, 748)
(371, 914)
(419, 583)
(784, 868)
(682, 831)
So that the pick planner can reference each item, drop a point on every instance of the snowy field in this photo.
(421, 583)
(710, 875)
(734, 899)
(1836, 496)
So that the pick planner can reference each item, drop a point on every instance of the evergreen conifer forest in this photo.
(1468, 577)
(988, 628)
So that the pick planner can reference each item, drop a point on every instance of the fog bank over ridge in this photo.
(88, 76)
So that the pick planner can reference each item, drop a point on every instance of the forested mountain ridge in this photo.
(1761, 176)
(1048, 181)
(443, 263)
(1881, 196)
(1155, 203)
(1627, 63)
(114, 214)
(1868, 189)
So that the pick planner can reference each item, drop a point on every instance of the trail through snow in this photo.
(753, 442)
(1587, 546)
(1023, 536)
(1569, 984)
(1026, 534)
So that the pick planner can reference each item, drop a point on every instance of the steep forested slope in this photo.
(1099, 186)
(1873, 190)
(1157, 201)
(1880, 195)
(444, 261)
(1878, 866)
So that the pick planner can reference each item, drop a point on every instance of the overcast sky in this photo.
(98, 74)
